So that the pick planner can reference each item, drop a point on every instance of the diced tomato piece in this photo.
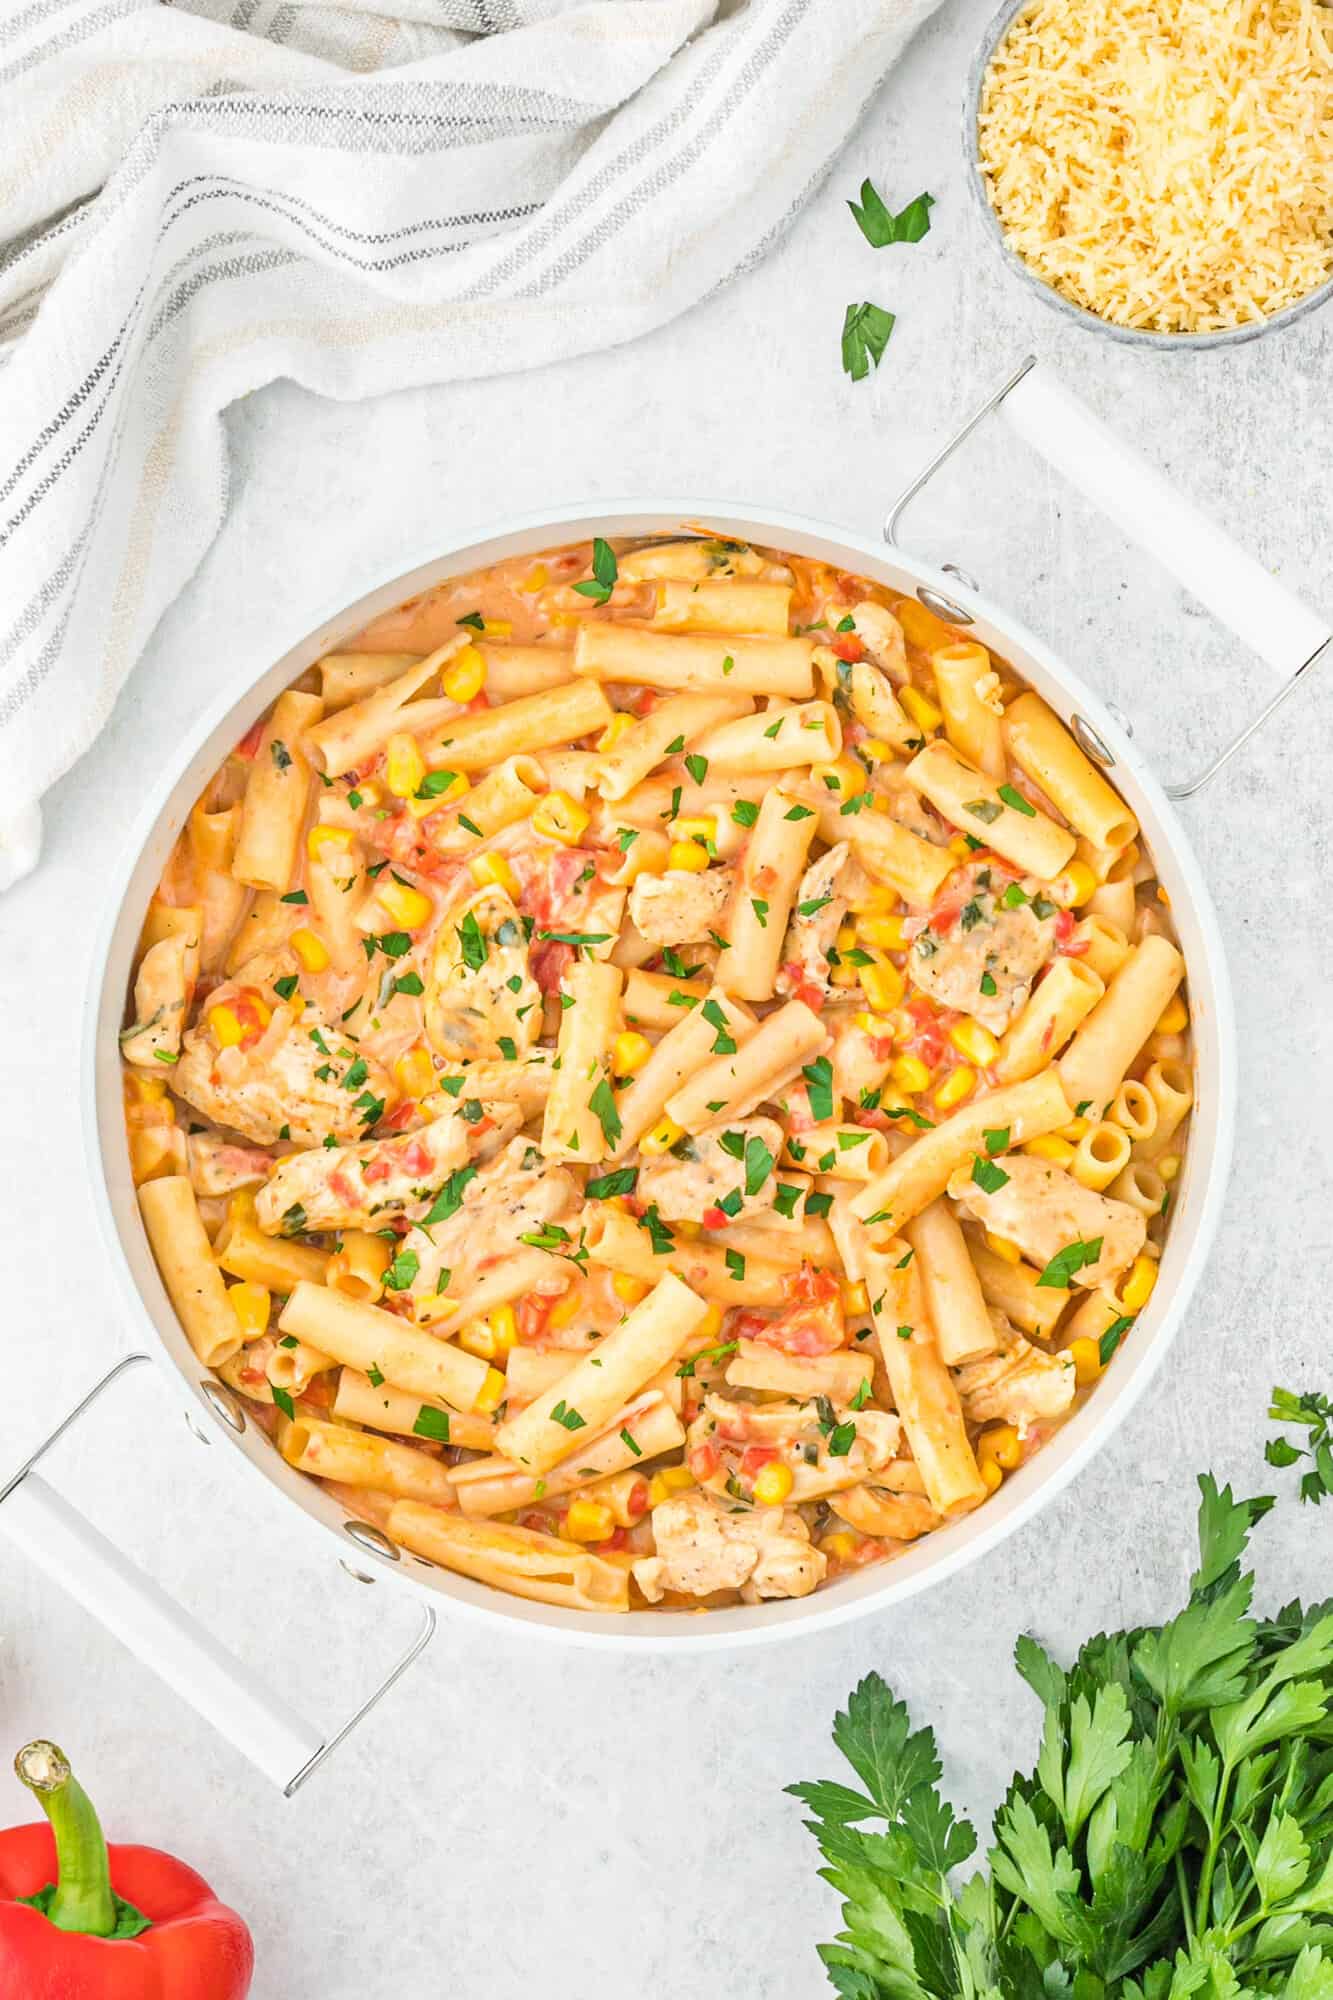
(796, 984)
(533, 1309)
(847, 646)
(704, 1460)
(479, 700)
(401, 1115)
(812, 1324)
(416, 1158)
(618, 1539)
(250, 742)
(1064, 930)
(340, 1184)
(375, 1170)
(549, 963)
(715, 1218)
(755, 1457)
(637, 1500)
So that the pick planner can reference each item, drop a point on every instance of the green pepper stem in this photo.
(82, 1899)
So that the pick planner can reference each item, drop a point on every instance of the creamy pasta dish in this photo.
(658, 1071)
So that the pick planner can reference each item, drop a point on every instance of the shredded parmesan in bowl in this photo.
(1165, 164)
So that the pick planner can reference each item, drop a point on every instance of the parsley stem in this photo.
(82, 1899)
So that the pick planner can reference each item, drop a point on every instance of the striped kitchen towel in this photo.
(196, 198)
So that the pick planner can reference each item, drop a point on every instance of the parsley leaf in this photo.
(880, 228)
(605, 570)
(865, 335)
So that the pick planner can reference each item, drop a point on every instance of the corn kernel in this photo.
(458, 787)
(882, 984)
(495, 868)
(978, 1044)
(561, 818)
(629, 1290)
(877, 901)
(414, 1073)
(855, 1297)
(881, 933)
(1074, 885)
(910, 1073)
(1174, 1017)
(1086, 1356)
(693, 827)
(588, 1520)
(1050, 1147)
(772, 1484)
(688, 856)
(536, 579)
(1001, 1443)
(629, 1052)
(407, 906)
(404, 765)
(959, 848)
(1137, 1288)
(491, 1393)
(504, 1325)
(878, 1025)
(843, 975)
(690, 1230)
(671, 1479)
(873, 750)
(498, 628)
(149, 1089)
(619, 725)
(566, 1307)
(465, 676)
(250, 1303)
(478, 1339)
(959, 1084)
(846, 937)
(1169, 1166)
(922, 711)
(840, 1545)
(311, 950)
(991, 1476)
(1000, 1246)
(322, 839)
(368, 794)
(227, 1030)
(1075, 1130)
(662, 1137)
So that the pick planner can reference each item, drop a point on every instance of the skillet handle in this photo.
(143, 1616)
(1236, 589)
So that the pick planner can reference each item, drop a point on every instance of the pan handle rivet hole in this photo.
(1088, 740)
(943, 607)
(357, 1575)
(223, 1404)
(374, 1541)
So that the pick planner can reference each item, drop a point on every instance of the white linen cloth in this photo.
(197, 198)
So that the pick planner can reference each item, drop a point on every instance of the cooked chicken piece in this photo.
(713, 1167)
(1044, 1210)
(909, 808)
(703, 1547)
(161, 993)
(1019, 1384)
(882, 636)
(812, 1321)
(220, 1166)
(975, 941)
(821, 905)
(360, 1187)
(525, 1083)
(480, 992)
(898, 1517)
(861, 1062)
(679, 908)
(516, 1194)
(300, 1081)
(828, 1446)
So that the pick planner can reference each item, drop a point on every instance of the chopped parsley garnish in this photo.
(1113, 1336)
(603, 1187)
(819, 1083)
(627, 1439)
(760, 907)
(281, 755)
(735, 1265)
(724, 1043)
(988, 1176)
(997, 1139)
(283, 1400)
(474, 619)
(818, 1204)
(602, 1104)
(745, 812)
(988, 986)
(293, 1220)
(284, 988)
(605, 570)
(814, 906)
(659, 1235)
(1017, 802)
(985, 810)
(865, 335)
(759, 1164)
(576, 937)
(431, 1423)
(697, 767)
(568, 1419)
(879, 227)
(450, 1197)
(294, 896)
(1075, 1256)
(402, 1271)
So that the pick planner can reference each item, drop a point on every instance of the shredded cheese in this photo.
(1166, 164)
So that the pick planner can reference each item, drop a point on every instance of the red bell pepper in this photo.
(81, 1921)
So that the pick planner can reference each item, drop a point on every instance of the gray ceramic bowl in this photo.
(1129, 336)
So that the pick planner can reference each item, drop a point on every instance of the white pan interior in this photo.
(1198, 1195)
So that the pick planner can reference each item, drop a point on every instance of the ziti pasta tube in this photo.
(1020, 1111)
(1040, 744)
(366, 1337)
(519, 1560)
(970, 800)
(185, 1259)
(923, 1390)
(276, 794)
(657, 659)
(1093, 1067)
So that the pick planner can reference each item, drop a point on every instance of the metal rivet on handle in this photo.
(196, 1430)
(1089, 740)
(357, 1575)
(952, 569)
(374, 1541)
(944, 607)
(223, 1404)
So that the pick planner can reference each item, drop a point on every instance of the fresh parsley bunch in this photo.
(1175, 1841)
